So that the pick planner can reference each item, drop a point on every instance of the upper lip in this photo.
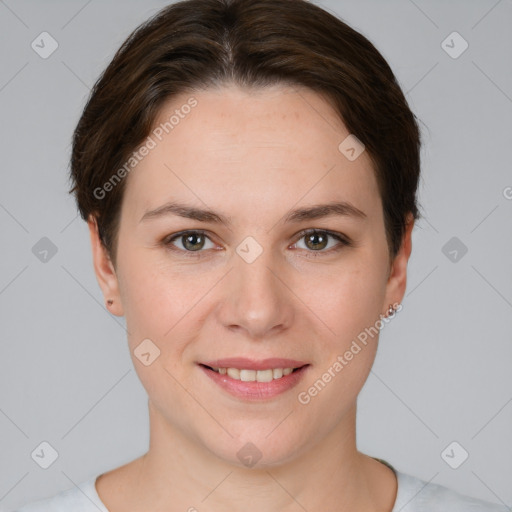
(254, 364)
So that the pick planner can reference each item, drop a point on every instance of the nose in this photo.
(257, 300)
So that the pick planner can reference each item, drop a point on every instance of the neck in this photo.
(179, 473)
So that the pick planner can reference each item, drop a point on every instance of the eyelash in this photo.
(343, 240)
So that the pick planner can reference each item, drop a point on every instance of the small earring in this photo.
(110, 302)
(391, 310)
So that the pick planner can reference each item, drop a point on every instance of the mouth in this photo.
(247, 375)
(255, 380)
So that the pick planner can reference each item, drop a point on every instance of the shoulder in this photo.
(417, 495)
(82, 498)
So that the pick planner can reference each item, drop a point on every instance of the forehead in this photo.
(252, 147)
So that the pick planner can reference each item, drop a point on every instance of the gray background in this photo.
(442, 373)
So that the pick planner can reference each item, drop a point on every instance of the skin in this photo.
(252, 155)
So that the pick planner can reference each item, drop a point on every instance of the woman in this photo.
(248, 171)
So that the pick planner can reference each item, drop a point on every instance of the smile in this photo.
(251, 380)
(255, 375)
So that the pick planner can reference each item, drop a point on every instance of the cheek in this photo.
(157, 306)
(350, 298)
(350, 305)
(154, 299)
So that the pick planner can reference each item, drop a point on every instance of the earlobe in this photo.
(397, 280)
(104, 270)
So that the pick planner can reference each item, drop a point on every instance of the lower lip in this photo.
(256, 390)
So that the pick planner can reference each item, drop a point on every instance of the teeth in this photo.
(254, 375)
(277, 373)
(247, 375)
(264, 375)
(233, 373)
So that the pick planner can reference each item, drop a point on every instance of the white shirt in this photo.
(413, 495)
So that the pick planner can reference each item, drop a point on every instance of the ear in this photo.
(104, 270)
(397, 280)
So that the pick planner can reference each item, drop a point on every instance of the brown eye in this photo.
(316, 241)
(191, 241)
(319, 241)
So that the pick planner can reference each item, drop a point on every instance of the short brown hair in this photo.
(196, 44)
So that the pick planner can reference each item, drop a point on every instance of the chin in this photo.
(257, 445)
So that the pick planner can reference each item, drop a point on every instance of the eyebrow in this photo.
(339, 208)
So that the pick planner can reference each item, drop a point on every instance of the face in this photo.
(247, 275)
